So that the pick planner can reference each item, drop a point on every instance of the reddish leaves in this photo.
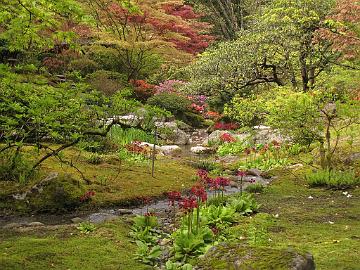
(225, 126)
(227, 137)
(142, 89)
(87, 196)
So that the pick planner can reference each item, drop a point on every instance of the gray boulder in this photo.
(264, 135)
(171, 133)
(170, 149)
(215, 136)
(202, 150)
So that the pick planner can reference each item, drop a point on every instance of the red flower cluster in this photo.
(213, 183)
(188, 204)
(87, 196)
(219, 183)
(226, 126)
(174, 196)
(198, 108)
(226, 137)
(199, 192)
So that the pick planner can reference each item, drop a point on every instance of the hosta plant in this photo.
(147, 254)
(191, 245)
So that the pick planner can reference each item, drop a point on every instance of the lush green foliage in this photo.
(123, 137)
(26, 23)
(313, 117)
(333, 179)
(174, 103)
(248, 112)
(86, 227)
(231, 148)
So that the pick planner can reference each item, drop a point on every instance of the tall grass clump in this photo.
(123, 137)
(333, 179)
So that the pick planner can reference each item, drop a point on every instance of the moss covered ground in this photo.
(64, 247)
(325, 223)
(321, 221)
(114, 182)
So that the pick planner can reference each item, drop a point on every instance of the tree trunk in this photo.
(328, 145)
(322, 155)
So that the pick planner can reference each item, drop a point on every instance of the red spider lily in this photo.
(87, 196)
(241, 173)
(188, 204)
(173, 196)
(200, 192)
(226, 137)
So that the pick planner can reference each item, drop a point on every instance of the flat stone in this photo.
(254, 172)
(201, 150)
(76, 220)
(101, 217)
(124, 211)
(35, 224)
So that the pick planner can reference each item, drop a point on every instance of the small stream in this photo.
(105, 214)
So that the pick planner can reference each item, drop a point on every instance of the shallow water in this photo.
(101, 215)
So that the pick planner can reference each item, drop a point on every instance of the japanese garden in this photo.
(180, 134)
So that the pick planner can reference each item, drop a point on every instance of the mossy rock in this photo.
(59, 194)
(234, 257)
